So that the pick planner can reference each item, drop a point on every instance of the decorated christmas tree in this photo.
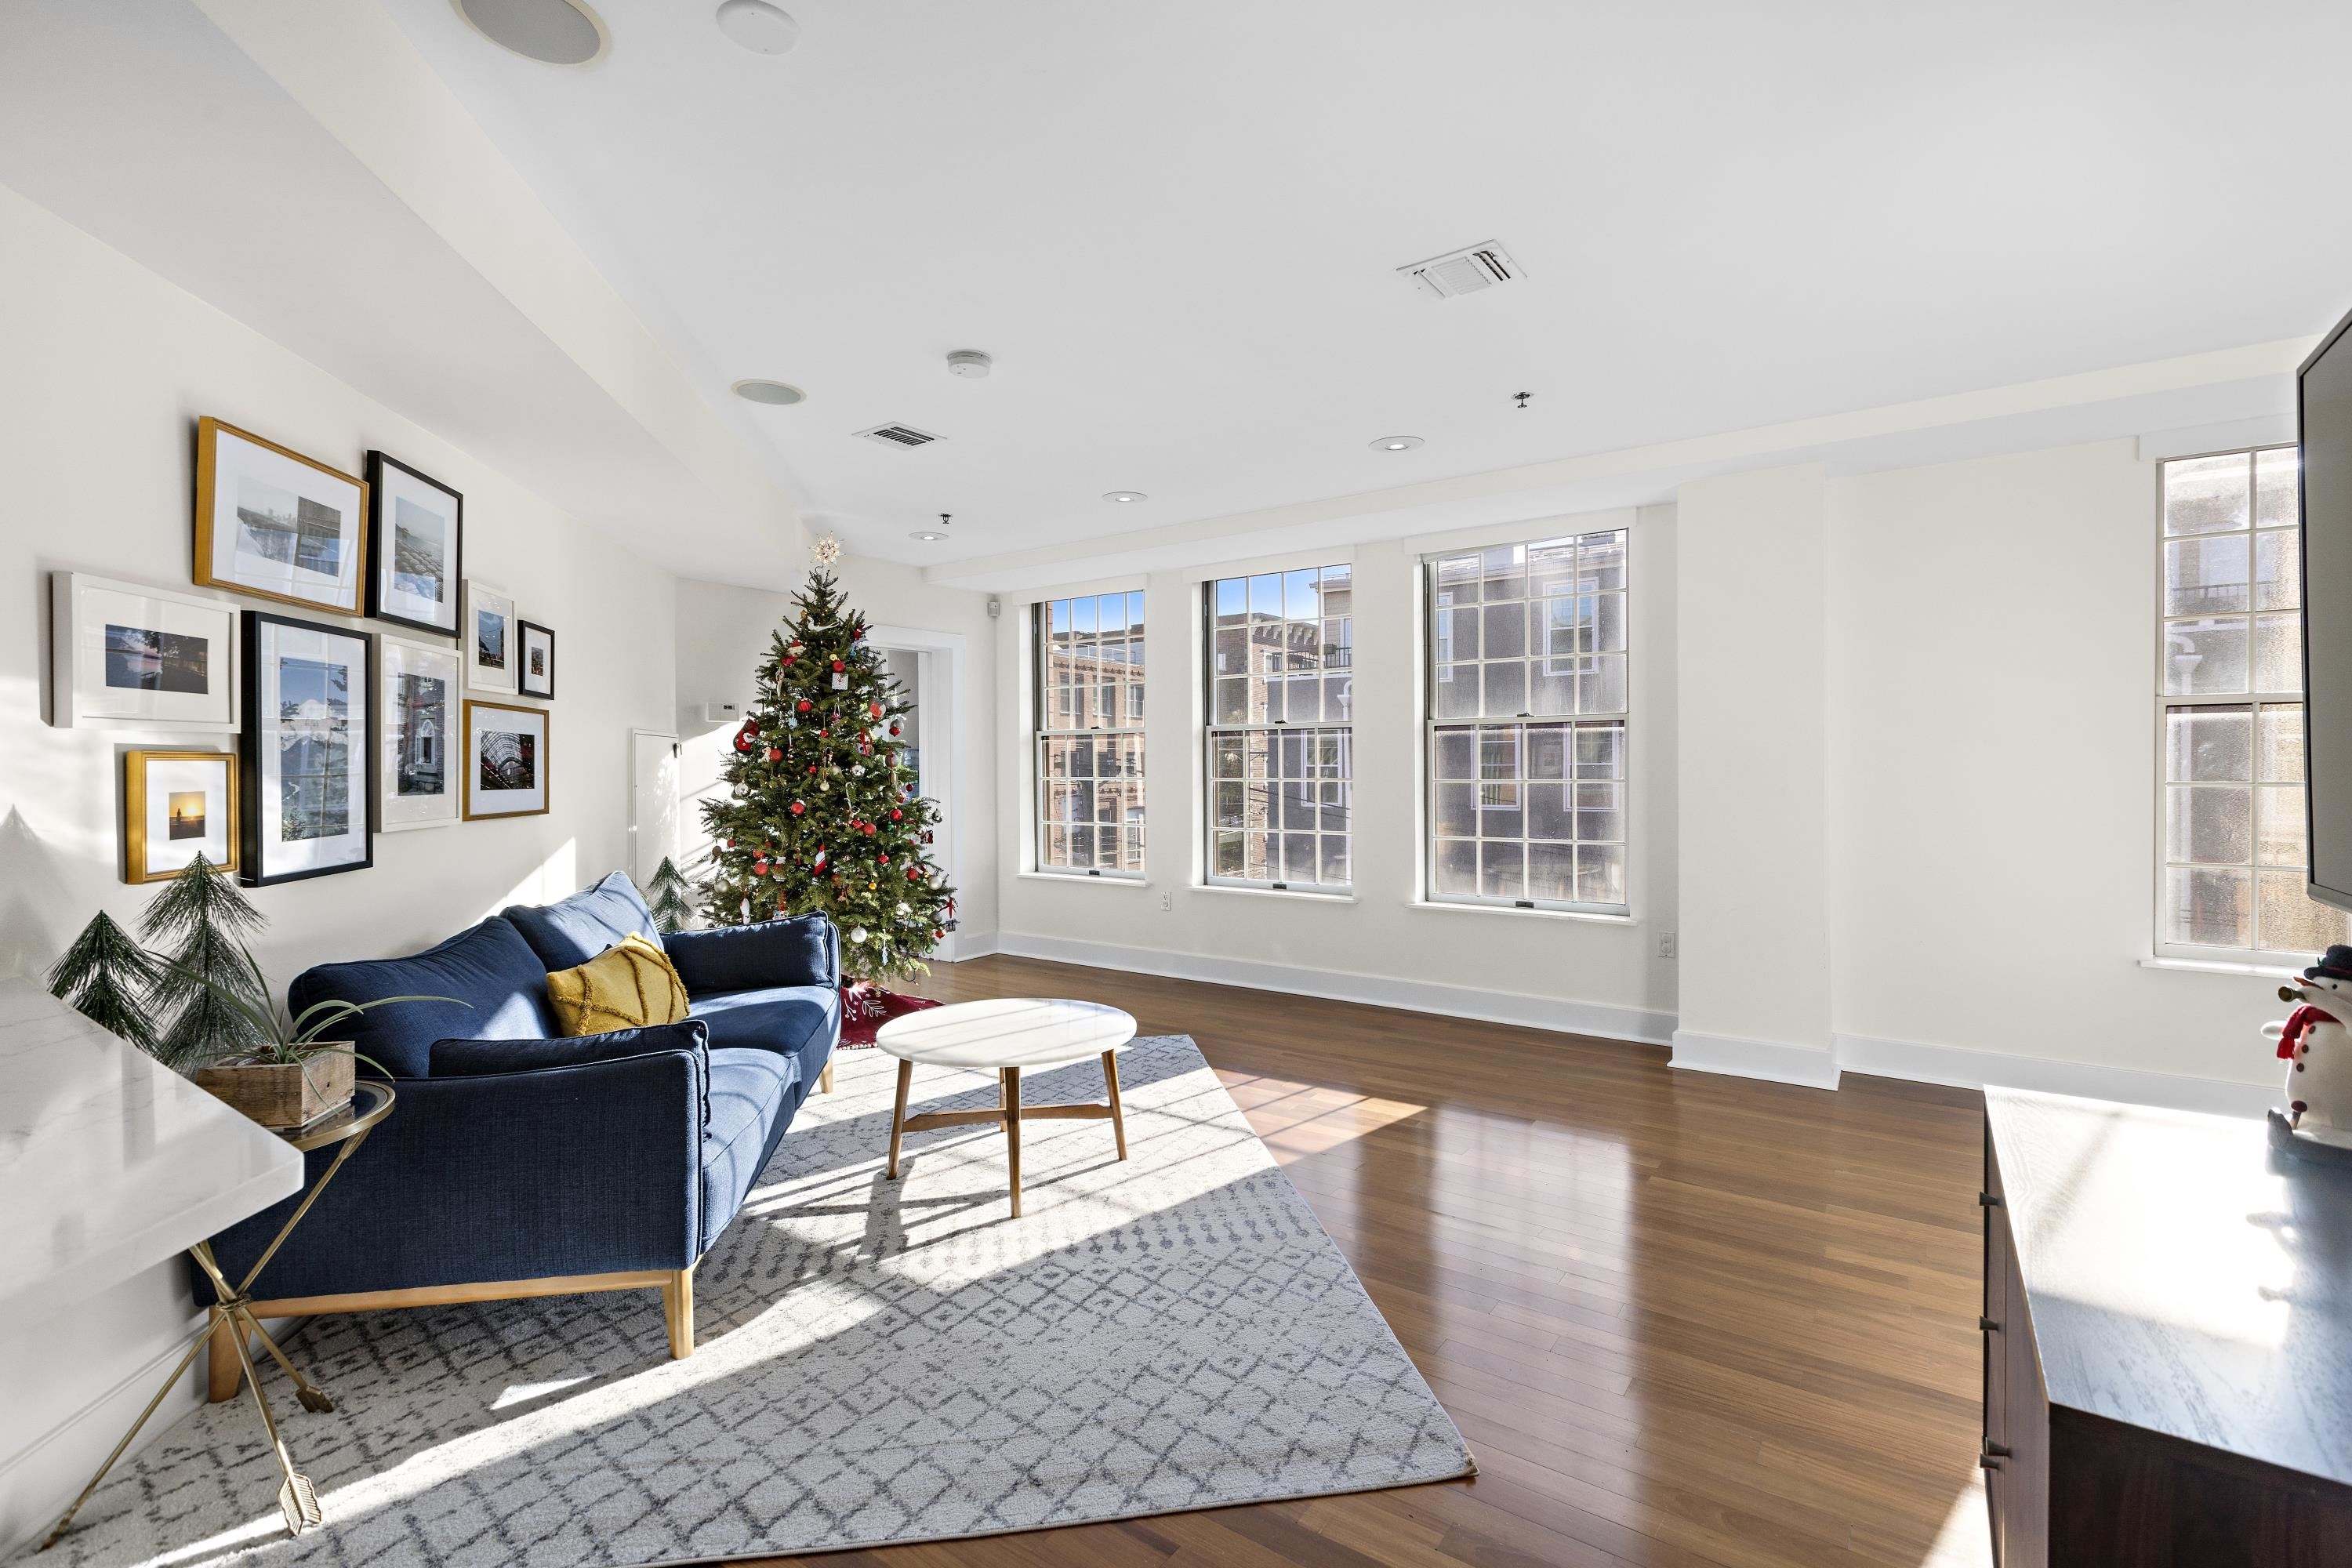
(821, 814)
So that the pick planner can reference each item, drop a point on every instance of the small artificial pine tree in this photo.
(107, 978)
(821, 814)
(672, 904)
(201, 913)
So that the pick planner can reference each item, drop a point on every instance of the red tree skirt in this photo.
(865, 1007)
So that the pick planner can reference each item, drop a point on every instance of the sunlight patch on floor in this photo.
(1297, 1119)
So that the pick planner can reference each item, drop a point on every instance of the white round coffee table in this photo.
(1006, 1034)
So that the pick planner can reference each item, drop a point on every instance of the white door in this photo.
(653, 802)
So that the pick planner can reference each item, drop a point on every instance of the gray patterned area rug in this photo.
(877, 1362)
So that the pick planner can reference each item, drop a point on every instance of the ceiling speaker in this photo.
(554, 32)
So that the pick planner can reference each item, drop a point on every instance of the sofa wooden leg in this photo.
(678, 1309)
(824, 1080)
(222, 1372)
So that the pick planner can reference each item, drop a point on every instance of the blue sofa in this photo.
(521, 1163)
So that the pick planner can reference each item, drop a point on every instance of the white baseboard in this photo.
(979, 945)
(1777, 1061)
(1967, 1069)
(1605, 1020)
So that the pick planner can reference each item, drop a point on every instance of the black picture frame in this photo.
(544, 691)
(382, 542)
(255, 853)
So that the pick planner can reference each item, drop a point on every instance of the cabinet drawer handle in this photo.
(1987, 1201)
(1986, 1326)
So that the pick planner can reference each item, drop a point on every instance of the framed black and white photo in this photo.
(309, 719)
(416, 539)
(176, 805)
(536, 670)
(276, 524)
(506, 746)
(419, 750)
(124, 654)
(490, 641)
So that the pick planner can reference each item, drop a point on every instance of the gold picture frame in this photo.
(139, 808)
(529, 761)
(349, 492)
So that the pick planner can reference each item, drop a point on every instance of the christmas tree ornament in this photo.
(857, 935)
(799, 807)
(857, 771)
(776, 753)
(804, 705)
(895, 814)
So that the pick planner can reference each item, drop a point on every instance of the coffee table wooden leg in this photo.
(1117, 1118)
(898, 1115)
(1012, 1082)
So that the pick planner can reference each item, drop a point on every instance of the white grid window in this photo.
(1527, 716)
(1091, 736)
(2229, 711)
(1281, 752)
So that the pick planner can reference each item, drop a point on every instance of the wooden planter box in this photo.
(284, 1094)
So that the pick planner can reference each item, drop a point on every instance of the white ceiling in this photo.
(1175, 226)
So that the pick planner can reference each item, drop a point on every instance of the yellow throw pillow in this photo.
(626, 986)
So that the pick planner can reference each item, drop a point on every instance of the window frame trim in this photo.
(1040, 733)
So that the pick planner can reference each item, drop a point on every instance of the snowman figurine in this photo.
(2317, 1045)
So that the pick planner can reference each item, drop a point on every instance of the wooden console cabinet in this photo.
(2167, 1342)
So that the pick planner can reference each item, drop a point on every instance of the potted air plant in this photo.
(291, 1075)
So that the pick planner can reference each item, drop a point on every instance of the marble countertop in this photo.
(110, 1162)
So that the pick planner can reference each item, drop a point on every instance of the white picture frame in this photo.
(143, 681)
(420, 753)
(489, 638)
(507, 760)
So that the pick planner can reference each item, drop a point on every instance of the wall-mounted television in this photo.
(2324, 422)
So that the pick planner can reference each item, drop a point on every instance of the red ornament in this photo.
(730, 843)
(894, 729)
(869, 830)
(875, 709)
(938, 935)
(776, 753)
(804, 705)
(758, 868)
(838, 667)
(812, 767)
(914, 873)
(895, 814)
(798, 807)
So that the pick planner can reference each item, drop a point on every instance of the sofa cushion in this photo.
(627, 987)
(798, 1021)
(498, 984)
(800, 950)
(472, 1059)
(753, 1096)
(570, 931)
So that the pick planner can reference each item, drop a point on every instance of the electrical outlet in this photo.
(1167, 903)
(1665, 944)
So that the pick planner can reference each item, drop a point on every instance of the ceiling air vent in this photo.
(898, 436)
(1463, 271)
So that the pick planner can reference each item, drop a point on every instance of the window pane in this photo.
(2278, 653)
(1601, 688)
(1599, 751)
(1551, 567)
(1458, 809)
(2275, 502)
(1505, 572)
(2279, 840)
(2210, 822)
(1135, 616)
(1548, 693)
(2279, 742)
(2203, 575)
(1600, 813)
(1232, 701)
(1299, 602)
(2207, 744)
(1547, 751)
(1082, 616)
(1507, 630)
(2205, 657)
(1501, 869)
(1506, 689)
(2278, 568)
(1601, 560)
(2210, 907)
(1265, 596)
(1457, 635)
(1229, 651)
(1458, 754)
(1457, 691)
(1549, 814)
(1608, 623)
(1551, 872)
(1055, 851)
(1332, 585)
(1339, 698)
(1456, 871)
(2206, 495)
(1335, 860)
(1233, 599)
(1457, 580)
(1226, 855)
(1338, 640)
(2291, 921)
(1302, 699)
(1501, 814)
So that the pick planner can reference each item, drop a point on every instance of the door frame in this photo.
(941, 672)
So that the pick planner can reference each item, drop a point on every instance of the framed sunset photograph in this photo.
(506, 766)
(276, 524)
(176, 805)
(416, 548)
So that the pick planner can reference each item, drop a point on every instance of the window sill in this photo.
(1298, 894)
(1581, 915)
(1109, 878)
(2224, 966)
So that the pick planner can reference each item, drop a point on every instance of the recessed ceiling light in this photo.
(1124, 496)
(776, 392)
(762, 29)
(1396, 442)
(554, 32)
(927, 535)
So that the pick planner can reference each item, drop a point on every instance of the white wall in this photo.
(722, 635)
(106, 368)
(1384, 944)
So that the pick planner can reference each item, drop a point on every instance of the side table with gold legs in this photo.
(229, 1323)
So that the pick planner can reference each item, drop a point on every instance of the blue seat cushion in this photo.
(498, 982)
(570, 931)
(800, 950)
(798, 1021)
(753, 1096)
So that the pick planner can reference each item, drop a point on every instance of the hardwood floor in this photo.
(1682, 1320)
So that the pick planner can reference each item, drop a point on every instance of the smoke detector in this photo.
(898, 435)
(969, 364)
(553, 32)
(1463, 271)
